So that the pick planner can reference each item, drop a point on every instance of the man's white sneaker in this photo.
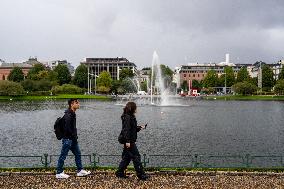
(83, 173)
(62, 176)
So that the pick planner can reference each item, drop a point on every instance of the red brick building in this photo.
(5, 69)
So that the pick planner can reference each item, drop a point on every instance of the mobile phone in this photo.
(146, 125)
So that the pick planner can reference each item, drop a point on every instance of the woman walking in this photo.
(128, 138)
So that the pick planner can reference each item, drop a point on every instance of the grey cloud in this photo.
(181, 31)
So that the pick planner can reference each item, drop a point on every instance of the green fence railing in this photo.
(152, 160)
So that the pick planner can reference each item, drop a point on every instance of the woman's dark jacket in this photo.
(129, 128)
(69, 129)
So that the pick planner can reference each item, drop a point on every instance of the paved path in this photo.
(106, 179)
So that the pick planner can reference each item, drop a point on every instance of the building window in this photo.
(188, 75)
(184, 75)
(193, 75)
(3, 77)
(198, 75)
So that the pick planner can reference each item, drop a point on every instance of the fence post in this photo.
(144, 160)
(195, 160)
(45, 160)
(247, 156)
(94, 163)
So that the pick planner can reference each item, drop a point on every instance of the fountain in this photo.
(164, 96)
(161, 94)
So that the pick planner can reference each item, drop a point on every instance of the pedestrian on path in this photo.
(128, 138)
(70, 141)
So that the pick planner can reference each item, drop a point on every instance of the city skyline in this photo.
(181, 32)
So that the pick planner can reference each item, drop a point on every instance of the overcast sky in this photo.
(181, 31)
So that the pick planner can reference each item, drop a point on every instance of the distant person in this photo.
(128, 138)
(70, 141)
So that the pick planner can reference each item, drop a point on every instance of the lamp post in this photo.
(225, 83)
(91, 82)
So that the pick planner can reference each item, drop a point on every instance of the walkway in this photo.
(106, 179)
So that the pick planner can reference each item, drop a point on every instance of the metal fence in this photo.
(153, 160)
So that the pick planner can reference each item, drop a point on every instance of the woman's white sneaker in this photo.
(83, 173)
(62, 175)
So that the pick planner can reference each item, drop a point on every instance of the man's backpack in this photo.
(58, 127)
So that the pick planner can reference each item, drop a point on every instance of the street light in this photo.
(225, 92)
(90, 82)
(225, 83)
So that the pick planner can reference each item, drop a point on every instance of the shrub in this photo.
(244, 88)
(41, 85)
(67, 89)
(279, 87)
(9, 88)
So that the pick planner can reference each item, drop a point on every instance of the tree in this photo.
(166, 71)
(281, 74)
(279, 87)
(128, 86)
(104, 80)
(184, 85)
(64, 76)
(81, 76)
(42, 74)
(243, 75)
(125, 73)
(16, 75)
(267, 78)
(228, 78)
(196, 84)
(210, 79)
(116, 84)
(33, 73)
(52, 75)
(143, 86)
(244, 88)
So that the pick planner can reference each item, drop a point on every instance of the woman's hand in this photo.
(127, 145)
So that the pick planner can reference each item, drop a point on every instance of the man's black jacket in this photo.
(69, 129)
(129, 128)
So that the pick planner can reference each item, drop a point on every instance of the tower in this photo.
(227, 58)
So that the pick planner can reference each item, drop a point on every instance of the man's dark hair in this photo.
(130, 108)
(70, 101)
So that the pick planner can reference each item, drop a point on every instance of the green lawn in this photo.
(239, 97)
(63, 96)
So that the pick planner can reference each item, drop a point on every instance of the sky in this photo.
(180, 31)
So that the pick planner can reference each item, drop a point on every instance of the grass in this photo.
(250, 97)
(63, 96)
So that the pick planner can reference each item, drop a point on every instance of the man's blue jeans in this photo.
(67, 145)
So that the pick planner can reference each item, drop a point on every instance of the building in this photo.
(111, 65)
(276, 68)
(198, 71)
(5, 68)
(54, 63)
(32, 61)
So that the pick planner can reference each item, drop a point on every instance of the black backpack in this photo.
(58, 127)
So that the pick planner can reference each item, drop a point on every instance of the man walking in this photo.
(69, 141)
